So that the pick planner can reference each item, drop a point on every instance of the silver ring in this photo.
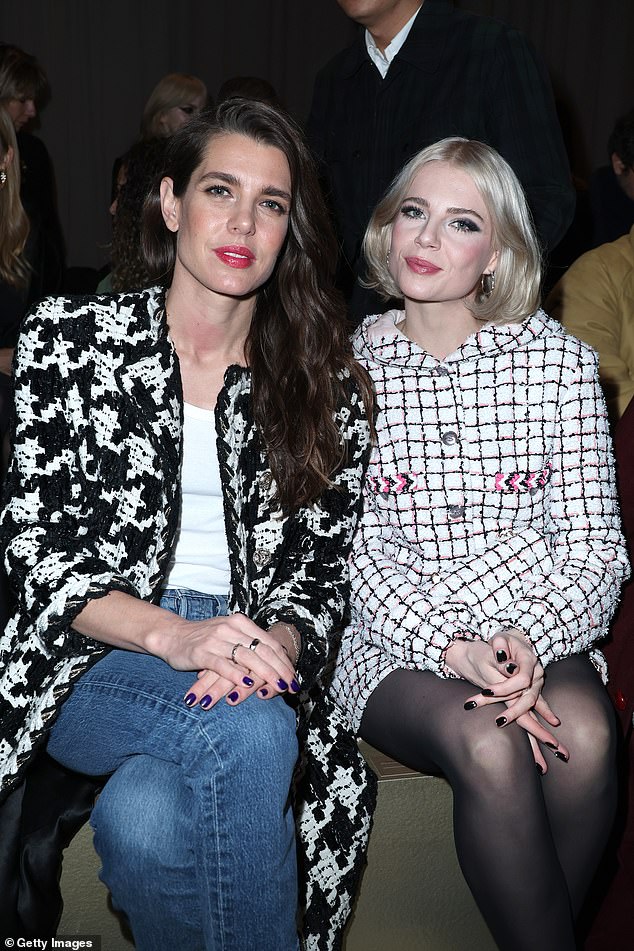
(254, 643)
(233, 652)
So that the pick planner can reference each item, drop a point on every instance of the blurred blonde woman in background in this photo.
(173, 101)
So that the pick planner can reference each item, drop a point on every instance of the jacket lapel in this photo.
(151, 383)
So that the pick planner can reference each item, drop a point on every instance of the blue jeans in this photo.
(194, 827)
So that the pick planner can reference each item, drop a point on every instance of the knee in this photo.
(139, 822)
(492, 758)
(256, 733)
(592, 739)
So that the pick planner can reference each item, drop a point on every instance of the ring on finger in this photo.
(254, 643)
(233, 652)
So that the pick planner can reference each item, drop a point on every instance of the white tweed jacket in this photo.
(490, 501)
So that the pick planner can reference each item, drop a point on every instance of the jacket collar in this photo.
(380, 341)
(424, 47)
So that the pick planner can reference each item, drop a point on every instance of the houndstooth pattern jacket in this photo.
(490, 501)
(92, 505)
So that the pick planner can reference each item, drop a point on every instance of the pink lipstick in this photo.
(234, 255)
(421, 266)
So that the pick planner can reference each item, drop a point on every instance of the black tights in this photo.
(527, 845)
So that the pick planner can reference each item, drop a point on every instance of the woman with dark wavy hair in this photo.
(182, 497)
(15, 273)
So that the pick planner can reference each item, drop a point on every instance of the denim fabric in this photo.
(194, 827)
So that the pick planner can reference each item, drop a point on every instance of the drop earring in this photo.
(3, 178)
(487, 284)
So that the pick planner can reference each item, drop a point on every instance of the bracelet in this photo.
(292, 633)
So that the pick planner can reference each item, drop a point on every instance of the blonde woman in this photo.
(173, 101)
(489, 556)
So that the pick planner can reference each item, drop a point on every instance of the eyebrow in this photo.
(450, 211)
(271, 190)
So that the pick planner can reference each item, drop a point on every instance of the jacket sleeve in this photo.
(566, 602)
(524, 127)
(54, 562)
(587, 300)
(311, 585)
(559, 585)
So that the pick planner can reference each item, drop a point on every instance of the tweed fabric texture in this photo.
(490, 502)
(92, 501)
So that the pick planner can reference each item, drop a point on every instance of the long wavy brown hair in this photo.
(298, 347)
(14, 224)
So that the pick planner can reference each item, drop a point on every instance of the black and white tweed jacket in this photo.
(92, 504)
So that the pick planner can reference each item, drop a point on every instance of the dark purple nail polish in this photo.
(282, 684)
(539, 768)
(470, 705)
(206, 700)
(263, 692)
(190, 699)
(500, 721)
(247, 681)
(501, 656)
(561, 756)
(234, 695)
(487, 693)
(511, 668)
(295, 686)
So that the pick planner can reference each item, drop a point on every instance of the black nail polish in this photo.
(295, 686)
(470, 705)
(206, 700)
(551, 746)
(282, 684)
(500, 721)
(511, 668)
(501, 656)
(539, 768)
(190, 699)
(234, 695)
(561, 756)
(487, 693)
(247, 681)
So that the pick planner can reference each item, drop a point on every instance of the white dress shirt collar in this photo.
(382, 60)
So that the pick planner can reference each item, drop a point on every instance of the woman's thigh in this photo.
(419, 718)
(131, 704)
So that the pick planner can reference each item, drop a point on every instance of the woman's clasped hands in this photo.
(234, 659)
(507, 670)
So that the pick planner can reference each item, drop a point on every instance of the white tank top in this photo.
(200, 560)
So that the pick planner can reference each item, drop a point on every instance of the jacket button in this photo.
(620, 700)
(450, 438)
(440, 371)
(261, 557)
(456, 511)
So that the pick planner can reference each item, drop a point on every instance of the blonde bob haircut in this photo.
(175, 89)
(516, 293)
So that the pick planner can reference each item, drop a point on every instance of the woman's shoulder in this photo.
(78, 316)
(549, 335)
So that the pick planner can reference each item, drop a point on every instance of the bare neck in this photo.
(439, 328)
(386, 26)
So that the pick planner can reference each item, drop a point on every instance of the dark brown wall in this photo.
(103, 58)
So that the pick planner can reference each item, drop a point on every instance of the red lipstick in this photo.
(235, 255)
